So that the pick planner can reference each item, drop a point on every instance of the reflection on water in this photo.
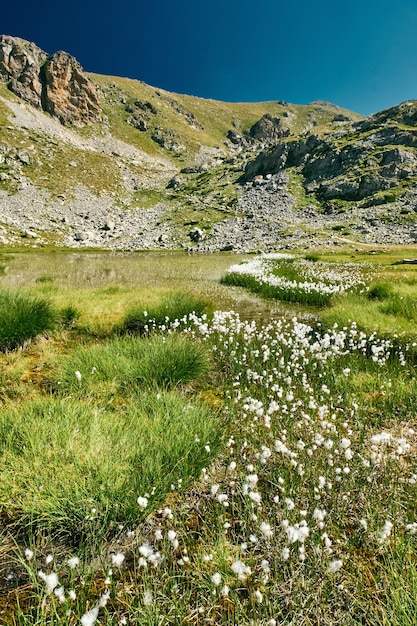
(197, 273)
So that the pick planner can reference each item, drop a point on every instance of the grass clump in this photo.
(76, 471)
(379, 291)
(173, 306)
(23, 317)
(129, 362)
(402, 306)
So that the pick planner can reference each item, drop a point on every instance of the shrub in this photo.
(173, 306)
(23, 317)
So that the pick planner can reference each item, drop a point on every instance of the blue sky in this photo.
(361, 54)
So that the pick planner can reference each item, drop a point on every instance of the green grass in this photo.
(284, 294)
(76, 470)
(121, 364)
(23, 317)
(102, 441)
(172, 306)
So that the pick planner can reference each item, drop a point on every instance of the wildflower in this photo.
(72, 594)
(117, 559)
(143, 502)
(73, 562)
(225, 591)
(147, 598)
(78, 376)
(258, 595)
(29, 554)
(335, 566)
(240, 569)
(255, 496)
(90, 618)
(216, 579)
(385, 532)
(50, 580)
(60, 594)
(49, 559)
(266, 530)
(285, 554)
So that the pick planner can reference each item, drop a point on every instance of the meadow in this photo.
(166, 462)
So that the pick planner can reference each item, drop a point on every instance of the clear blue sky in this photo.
(361, 54)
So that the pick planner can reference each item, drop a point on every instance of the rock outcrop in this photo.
(362, 162)
(55, 83)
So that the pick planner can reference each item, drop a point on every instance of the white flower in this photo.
(225, 591)
(335, 566)
(49, 559)
(258, 595)
(143, 502)
(117, 559)
(147, 597)
(29, 554)
(266, 530)
(73, 562)
(242, 570)
(216, 579)
(255, 496)
(78, 376)
(60, 594)
(89, 618)
(385, 532)
(285, 554)
(50, 580)
(72, 594)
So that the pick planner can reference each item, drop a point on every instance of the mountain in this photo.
(97, 161)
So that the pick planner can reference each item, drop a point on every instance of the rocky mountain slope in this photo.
(89, 160)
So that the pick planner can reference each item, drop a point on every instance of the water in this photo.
(199, 274)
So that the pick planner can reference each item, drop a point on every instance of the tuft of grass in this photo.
(123, 363)
(379, 291)
(312, 256)
(69, 315)
(173, 306)
(402, 306)
(76, 471)
(23, 317)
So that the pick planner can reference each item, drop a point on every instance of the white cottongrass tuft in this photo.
(385, 532)
(216, 579)
(73, 562)
(78, 376)
(143, 502)
(240, 569)
(29, 554)
(147, 598)
(117, 559)
(90, 618)
(50, 580)
(335, 566)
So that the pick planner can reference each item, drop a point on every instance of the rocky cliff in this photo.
(161, 170)
(55, 83)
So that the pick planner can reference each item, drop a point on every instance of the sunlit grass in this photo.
(76, 470)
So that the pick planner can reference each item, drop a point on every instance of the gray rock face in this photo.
(268, 129)
(350, 165)
(55, 83)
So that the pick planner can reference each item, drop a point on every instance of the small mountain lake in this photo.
(197, 273)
